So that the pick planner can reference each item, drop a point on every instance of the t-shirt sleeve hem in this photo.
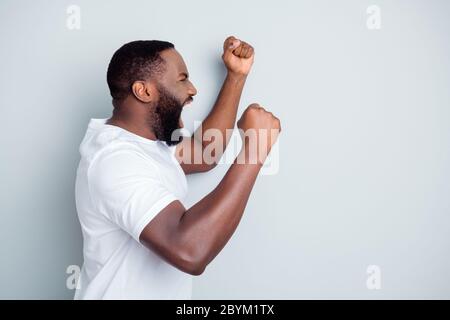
(154, 210)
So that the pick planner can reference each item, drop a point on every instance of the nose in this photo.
(192, 90)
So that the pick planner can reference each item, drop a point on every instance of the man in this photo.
(140, 242)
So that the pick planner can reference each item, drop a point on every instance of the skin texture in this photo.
(190, 239)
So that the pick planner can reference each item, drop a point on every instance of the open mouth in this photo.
(188, 101)
(180, 121)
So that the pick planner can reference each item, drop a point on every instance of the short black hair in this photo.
(136, 60)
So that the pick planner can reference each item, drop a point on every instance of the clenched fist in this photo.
(238, 56)
(259, 130)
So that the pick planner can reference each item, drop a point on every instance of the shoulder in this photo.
(121, 159)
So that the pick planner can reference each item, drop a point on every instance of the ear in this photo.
(144, 91)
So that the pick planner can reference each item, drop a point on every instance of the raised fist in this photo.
(259, 130)
(238, 56)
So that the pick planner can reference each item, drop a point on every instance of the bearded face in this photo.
(166, 117)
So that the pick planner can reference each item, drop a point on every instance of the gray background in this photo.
(364, 155)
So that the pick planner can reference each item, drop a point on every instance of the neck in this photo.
(135, 122)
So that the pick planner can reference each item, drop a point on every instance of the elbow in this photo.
(191, 264)
(204, 167)
(209, 167)
(196, 270)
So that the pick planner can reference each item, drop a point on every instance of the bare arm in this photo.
(190, 239)
(238, 58)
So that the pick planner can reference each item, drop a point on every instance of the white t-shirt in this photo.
(123, 181)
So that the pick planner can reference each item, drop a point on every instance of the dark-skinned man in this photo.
(140, 242)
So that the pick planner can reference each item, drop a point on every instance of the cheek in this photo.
(181, 93)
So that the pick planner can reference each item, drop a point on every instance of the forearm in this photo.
(207, 226)
(223, 113)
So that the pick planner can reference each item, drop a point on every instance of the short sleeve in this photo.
(126, 187)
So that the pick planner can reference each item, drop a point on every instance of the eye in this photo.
(184, 77)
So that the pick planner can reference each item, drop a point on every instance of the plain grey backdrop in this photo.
(364, 162)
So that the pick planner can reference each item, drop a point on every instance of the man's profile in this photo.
(140, 242)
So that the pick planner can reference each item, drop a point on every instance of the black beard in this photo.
(166, 117)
